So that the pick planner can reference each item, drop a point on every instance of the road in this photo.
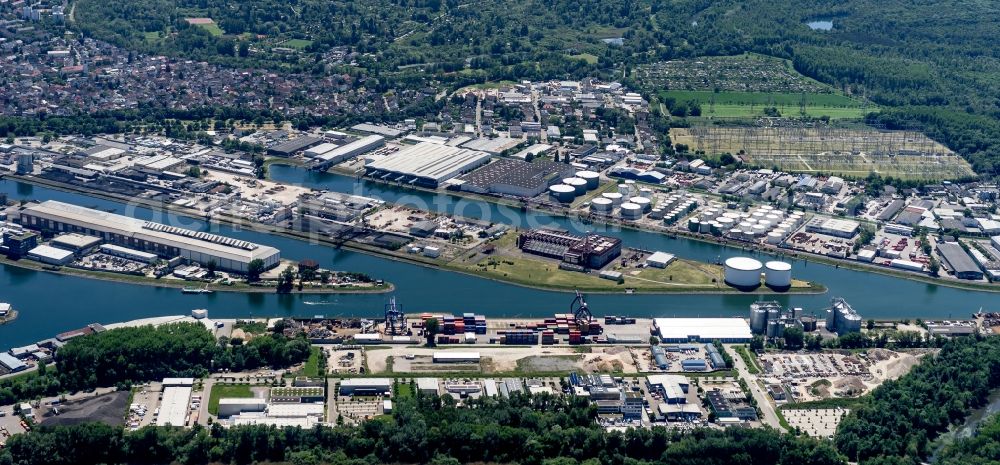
(770, 417)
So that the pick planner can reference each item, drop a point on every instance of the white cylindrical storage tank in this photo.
(766, 224)
(714, 228)
(631, 211)
(773, 238)
(646, 193)
(766, 208)
(726, 223)
(781, 232)
(601, 205)
(758, 215)
(743, 272)
(694, 224)
(579, 184)
(736, 233)
(778, 274)
(705, 227)
(745, 225)
(775, 219)
(614, 197)
(642, 202)
(623, 189)
(759, 230)
(593, 178)
(563, 193)
(656, 214)
(731, 215)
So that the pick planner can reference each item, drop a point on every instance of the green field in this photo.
(298, 44)
(213, 29)
(589, 58)
(223, 391)
(749, 104)
(311, 368)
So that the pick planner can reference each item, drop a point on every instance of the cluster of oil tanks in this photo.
(673, 208)
(570, 188)
(631, 201)
(766, 222)
(744, 272)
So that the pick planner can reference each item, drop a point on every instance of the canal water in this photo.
(50, 304)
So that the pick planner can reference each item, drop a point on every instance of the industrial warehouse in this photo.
(727, 330)
(515, 177)
(426, 164)
(146, 236)
(591, 251)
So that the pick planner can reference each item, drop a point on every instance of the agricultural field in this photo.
(847, 152)
(727, 104)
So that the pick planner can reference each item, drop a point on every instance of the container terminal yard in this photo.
(679, 372)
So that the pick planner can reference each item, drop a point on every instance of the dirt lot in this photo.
(819, 376)
(108, 409)
(500, 359)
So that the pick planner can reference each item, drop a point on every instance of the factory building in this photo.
(429, 386)
(77, 243)
(842, 318)
(146, 236)
(289, 147)
(680, 330)
(714, 357)
(833, 227)
(659, 259)
(426, 164)
(347, 151)
(175, 400)
(365, 386)
(958, 261)
(50, 255)
(11, 364)
(673, 388)
(592, 251)
(515, 177)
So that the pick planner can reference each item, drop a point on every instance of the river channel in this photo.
(50, 304)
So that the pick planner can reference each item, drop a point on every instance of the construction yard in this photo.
(818, 376)
(822, 149)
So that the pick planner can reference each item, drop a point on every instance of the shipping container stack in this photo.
(548, 337)
(618, 320)
(474, 323)
(519, 337)
(442, 339)
(575, 337)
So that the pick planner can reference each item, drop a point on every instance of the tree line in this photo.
(124, 356)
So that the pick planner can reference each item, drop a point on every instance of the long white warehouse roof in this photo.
(433, 161)
(157, 233)
(703, 328)
(365, 143)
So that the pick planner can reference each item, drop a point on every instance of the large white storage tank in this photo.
(601, 205)
(743, 272)
(563, 193)
(642, 202)
(778, 274)
(593, 178)
(631, 211)
(614, 197)
(579, 184)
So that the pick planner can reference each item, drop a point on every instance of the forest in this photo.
(544, 430)
(899, 421)
(124, 356)
(981, 449)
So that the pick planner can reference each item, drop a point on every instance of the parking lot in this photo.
(144, 407)
(818, 423)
